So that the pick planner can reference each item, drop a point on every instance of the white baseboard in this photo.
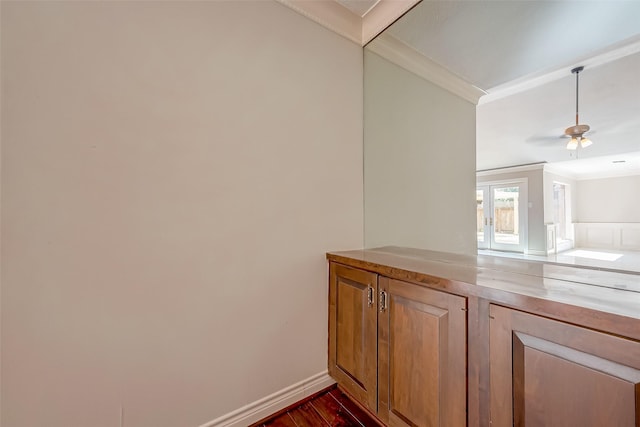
(536, 252)
(266, 406)
(564, 245)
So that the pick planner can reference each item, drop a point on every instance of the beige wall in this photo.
(419, 162)
(608, 199)
(172, 175)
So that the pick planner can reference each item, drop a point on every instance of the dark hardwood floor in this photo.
(330, 407)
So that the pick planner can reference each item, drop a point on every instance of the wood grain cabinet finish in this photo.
(398, 348)
(421, 356)
(424, 338)
(353, 332)
(549, 373)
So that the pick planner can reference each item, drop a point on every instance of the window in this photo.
(561, 210)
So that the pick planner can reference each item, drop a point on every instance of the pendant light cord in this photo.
(577, 92)
(576, 71)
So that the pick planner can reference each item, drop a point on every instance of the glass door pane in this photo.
(560, 210)
(483, 213)
(480, 215)
(506, 217)
(501, 216)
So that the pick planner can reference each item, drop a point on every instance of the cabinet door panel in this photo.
(545, 372)
(350, 351)
(422, 357)
(353, 332)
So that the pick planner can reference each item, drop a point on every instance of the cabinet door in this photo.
(353, 332)
(422, 356)
(548, 373)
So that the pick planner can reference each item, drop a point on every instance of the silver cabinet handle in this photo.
(383, 301)
(370, 296)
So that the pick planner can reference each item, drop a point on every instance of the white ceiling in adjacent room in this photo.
(528, 127)
(521, 53)
(489, 43)
(600, 167)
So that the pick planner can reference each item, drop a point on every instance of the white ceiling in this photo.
(496, 45)
(489, 43)
(600, 167)
(528, 127)
(359, 7)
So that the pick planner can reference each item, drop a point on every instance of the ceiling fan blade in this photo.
(619, 127)
(550, 139)
(545, 139)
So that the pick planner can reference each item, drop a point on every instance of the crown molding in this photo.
(337, 18)
(606, 175)
(562, 173)
(383, 14)
(331, 15)
(625, 48)
(512, 169)
(411, 60)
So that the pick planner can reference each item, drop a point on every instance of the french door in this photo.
(501, 216)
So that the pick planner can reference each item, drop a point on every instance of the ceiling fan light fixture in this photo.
(585, 142)
(576, 132)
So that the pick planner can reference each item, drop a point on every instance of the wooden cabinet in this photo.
(549, 373)
(430, 339)
(421, 356)
(353, 322)
(398, 348)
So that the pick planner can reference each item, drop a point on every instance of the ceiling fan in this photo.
(577, 132)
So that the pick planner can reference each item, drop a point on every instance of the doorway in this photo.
(501, 216)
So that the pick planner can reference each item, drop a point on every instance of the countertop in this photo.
(605, 299)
